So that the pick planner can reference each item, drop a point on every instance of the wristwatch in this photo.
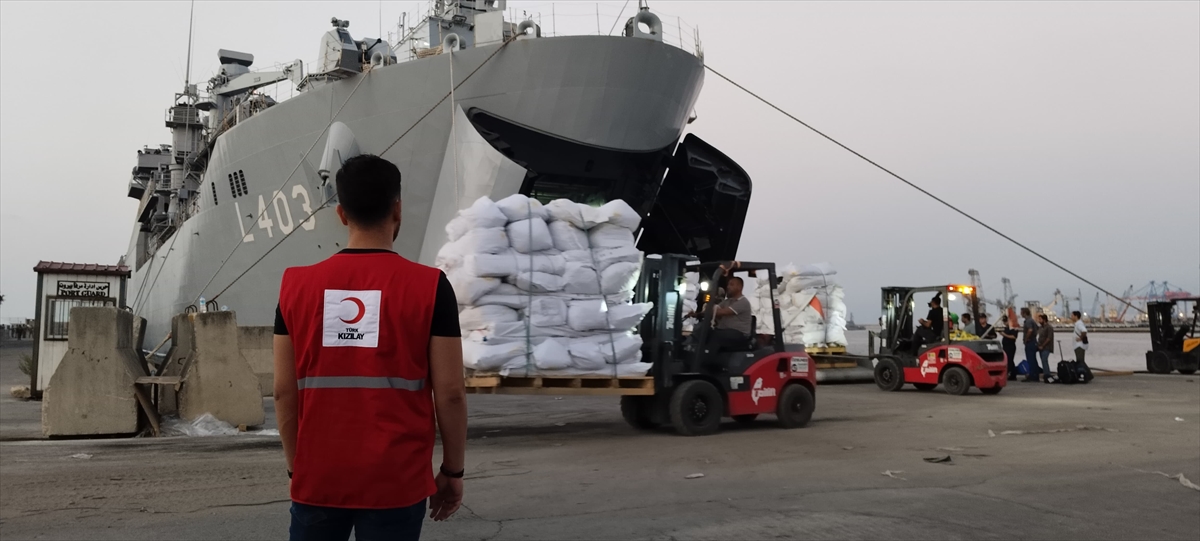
(452, 474)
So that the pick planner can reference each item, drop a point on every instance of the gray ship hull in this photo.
(610, 92)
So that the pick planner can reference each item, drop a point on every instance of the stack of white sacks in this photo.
(811, 305)
(546, 289)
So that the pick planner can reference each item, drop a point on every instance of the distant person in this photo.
(983, 329)
(1045, 345)
(1030, 328)
(964, 323)
(930, 329)
(1008, 340)
(367, 359)
(1081, 345)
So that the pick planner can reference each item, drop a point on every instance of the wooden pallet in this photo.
(484, 383)
(828, 350)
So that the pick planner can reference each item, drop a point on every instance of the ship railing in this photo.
(562, 19)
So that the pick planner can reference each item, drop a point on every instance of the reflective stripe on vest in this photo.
(359, 382)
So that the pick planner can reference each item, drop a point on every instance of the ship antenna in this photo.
(187, 78)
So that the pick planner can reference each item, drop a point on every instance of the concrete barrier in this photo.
(216, 378)
(91, 390)
(257, 345)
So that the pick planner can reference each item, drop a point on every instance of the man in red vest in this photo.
(367, 351)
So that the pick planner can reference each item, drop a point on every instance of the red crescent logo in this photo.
(362, 310)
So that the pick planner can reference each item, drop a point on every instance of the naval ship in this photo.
(466, 104)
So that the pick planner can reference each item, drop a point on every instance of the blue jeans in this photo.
(1031, 359)
(1045, 353)
(313, 523)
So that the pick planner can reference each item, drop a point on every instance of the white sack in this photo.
(567, 237)
(517, 302)
(482, 214)
(552, 354)
(625, 344)
(493, 265)
(817, 269)
(618, 212)
(468, 287)
(529, 235)
(547, 263)
(537, 282)
(582, 257)
(482, 241)
(586, 355)
(610, 236)
(517, 207)
(835, 330)
(592, 315)
(506, 289)
(580, 279)
(576, 214)
(448, 257)
(490, 356)
(619, 277)
(604, 257)
(485, 317)
(816, 282)
(547, 312)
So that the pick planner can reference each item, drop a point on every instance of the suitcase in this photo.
(1068, 372)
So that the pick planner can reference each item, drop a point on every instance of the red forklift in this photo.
(957, 363)
(695, 384)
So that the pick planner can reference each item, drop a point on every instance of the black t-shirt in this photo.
(445, 306)
(936, 320)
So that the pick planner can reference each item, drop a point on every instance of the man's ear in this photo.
(342, 214)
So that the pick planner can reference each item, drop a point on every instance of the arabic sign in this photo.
(70, 288)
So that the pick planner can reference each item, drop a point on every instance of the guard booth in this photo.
(61, 287)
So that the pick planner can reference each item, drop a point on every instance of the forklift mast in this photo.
(1164, 336)
(663, 282)
(898, 308)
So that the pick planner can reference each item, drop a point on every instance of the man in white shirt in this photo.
(1081, 344)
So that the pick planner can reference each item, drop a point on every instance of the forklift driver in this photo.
(930, 330)
(731, 330)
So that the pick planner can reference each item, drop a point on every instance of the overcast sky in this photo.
(1072, 126)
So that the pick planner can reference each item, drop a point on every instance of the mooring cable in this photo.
(922, 190)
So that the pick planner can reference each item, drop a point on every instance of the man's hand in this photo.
(447, 499)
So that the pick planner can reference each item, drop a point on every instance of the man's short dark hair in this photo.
(1043, 317)
(367, 186)
(1077, 314)
(936, 300)
(966, 315)
(740, 282)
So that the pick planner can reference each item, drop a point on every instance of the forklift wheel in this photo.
(956, 380)
(925, 386)
(888, 375)
(1157, 362)
(696, 408)
(796, 406)
(636, 411)
(746, 420)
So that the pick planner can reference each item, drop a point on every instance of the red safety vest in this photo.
(360, 327)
